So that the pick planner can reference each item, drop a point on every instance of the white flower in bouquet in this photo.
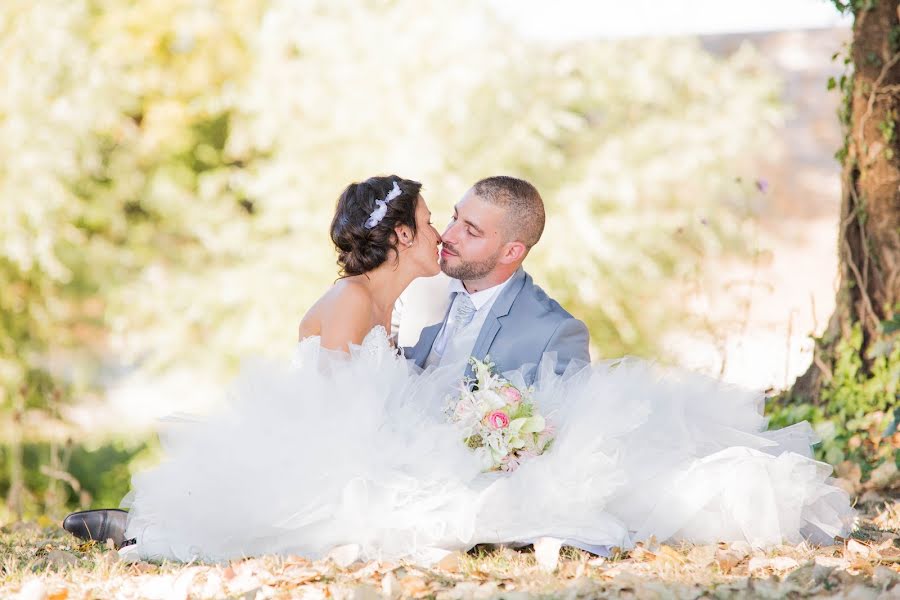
(498, 420)
(490, 400)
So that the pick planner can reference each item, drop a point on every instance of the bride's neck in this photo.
(386, 283)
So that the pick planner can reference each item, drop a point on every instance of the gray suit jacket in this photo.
(524, 323)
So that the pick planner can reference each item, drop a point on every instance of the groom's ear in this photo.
(513, 252)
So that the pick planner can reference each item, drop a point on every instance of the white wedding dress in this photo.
(331, 450)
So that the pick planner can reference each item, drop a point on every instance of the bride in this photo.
(348, 444)
(378, 258)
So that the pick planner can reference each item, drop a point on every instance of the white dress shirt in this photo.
(459, 345)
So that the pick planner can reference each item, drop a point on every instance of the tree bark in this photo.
(869, 229)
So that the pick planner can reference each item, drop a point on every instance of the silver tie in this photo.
(463, 312)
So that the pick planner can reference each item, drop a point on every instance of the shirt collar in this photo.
(481, 297)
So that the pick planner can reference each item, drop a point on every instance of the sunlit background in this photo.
(168, 171)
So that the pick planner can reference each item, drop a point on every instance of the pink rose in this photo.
(498, 419)
(512, 395)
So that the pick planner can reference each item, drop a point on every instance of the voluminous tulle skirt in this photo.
(329, 449)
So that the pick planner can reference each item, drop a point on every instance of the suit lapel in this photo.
(493, 323)
(426, 341)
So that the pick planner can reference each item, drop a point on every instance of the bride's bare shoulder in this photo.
(347, 295)
(343, 315)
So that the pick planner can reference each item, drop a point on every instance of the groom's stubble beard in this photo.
(470, 270)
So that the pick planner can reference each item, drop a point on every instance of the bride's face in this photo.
(424, 251)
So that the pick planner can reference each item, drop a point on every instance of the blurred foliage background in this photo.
(168, 171)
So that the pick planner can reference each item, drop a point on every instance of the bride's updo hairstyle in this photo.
(364, 241)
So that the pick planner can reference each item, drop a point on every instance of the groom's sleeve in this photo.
(570, 341)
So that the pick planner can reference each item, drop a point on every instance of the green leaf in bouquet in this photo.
(534, 424)
(523, 410)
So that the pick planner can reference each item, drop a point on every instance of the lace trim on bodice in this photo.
(376, 342)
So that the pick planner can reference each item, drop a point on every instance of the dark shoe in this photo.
(100, 525)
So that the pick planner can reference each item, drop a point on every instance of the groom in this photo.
(496, 309)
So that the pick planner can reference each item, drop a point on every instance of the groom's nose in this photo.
(447, 237)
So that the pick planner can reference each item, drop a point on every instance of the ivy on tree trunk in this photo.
(869, 231)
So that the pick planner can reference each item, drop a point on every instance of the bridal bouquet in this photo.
(498, 419)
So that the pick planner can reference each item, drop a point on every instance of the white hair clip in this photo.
(377, 215)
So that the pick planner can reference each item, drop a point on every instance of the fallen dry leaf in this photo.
(415, 586)
(702, 556)
(141, 567)
(776, 564)
(883, 476)
(667, 553)
(571, 569)
(612, 572)
(597, 561)
(727, 560)
(450, 563)
(366, 570)
(861, 565)
(642, 554)
(293, 559)
(301, 575)
(856, 550)
(344, 556)
(832, 561)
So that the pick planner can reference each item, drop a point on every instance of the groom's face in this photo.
(473, 241)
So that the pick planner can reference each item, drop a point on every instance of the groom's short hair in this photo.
(522, 203)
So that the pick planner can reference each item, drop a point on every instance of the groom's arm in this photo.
(570, 341)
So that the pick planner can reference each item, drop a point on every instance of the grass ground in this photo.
(39, 561)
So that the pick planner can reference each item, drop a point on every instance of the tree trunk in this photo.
(869, 234)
